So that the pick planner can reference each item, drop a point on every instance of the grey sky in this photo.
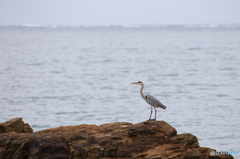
(119, 12)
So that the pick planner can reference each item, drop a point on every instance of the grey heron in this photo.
(152, 101)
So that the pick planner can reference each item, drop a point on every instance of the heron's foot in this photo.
(152, 119)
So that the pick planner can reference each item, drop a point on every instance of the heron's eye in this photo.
(139, 82)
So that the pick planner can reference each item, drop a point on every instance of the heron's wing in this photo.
(154, 102)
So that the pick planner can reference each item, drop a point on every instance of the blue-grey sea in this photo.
(59, 76)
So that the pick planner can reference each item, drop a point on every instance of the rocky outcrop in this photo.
(122, 140)
(15, 125)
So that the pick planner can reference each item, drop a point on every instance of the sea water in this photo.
(60, 76)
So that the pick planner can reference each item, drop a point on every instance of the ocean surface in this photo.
(60, 76)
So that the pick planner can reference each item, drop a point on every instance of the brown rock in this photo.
(122, 140)
(221, 157)
(186, 139)
(13, 145)
(15, 125)
(27, 128)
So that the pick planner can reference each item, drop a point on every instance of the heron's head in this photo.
(139, 83)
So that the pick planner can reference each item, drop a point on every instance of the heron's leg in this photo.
(150, 113)
(155, 112)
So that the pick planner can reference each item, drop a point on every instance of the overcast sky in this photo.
(119, 12)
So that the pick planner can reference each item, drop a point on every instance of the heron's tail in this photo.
(163, 106)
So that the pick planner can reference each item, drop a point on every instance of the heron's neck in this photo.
(141, 91)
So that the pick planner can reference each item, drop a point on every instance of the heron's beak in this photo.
(134, 83)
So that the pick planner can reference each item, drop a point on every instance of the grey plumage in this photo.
(151, 100)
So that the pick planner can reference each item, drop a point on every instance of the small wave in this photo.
(30, 25)
(40, 126)
(194, 48)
